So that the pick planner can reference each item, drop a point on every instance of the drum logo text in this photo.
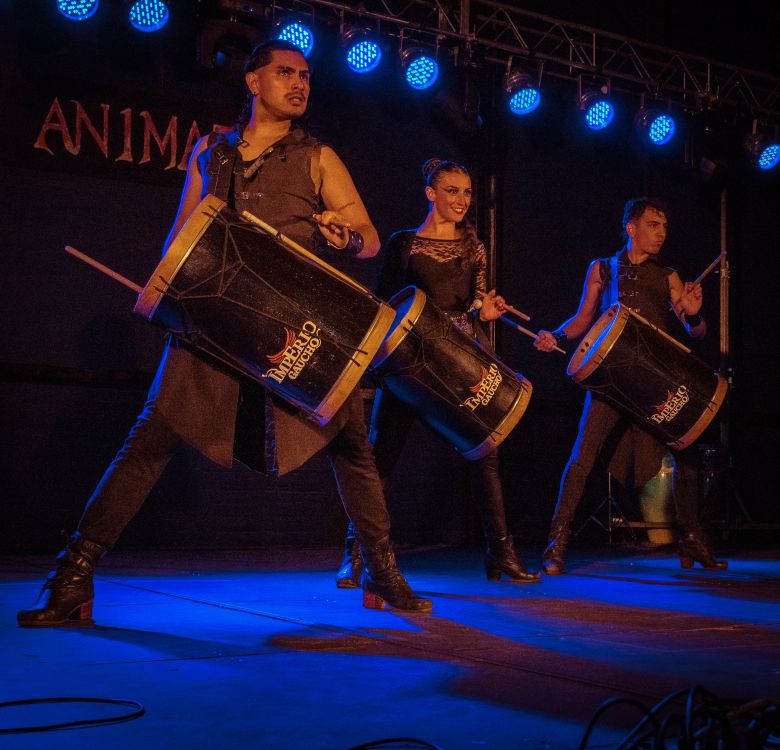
(484, 390)
(296, 353)
(668, 410)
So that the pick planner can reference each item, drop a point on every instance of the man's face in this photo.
(282, 86)
(648, 233)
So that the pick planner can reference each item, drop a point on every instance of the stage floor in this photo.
(259, 649)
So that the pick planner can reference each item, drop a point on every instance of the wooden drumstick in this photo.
(533, 335)
(709, 268)
(105, 269)
(517, 312)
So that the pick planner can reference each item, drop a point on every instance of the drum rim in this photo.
(175, 256)
(347, 382)
(506, 425)
(701, 424)
(587, 360)
(397, 335)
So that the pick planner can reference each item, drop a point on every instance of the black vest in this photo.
(276, 187)
(644, 287)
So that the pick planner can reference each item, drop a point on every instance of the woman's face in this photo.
(451, 197)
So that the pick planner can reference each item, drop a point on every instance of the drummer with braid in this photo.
(446, 260)
(636, 278)
(279, 173)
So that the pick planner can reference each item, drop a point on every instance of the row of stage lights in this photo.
(143, 15)
(363, 55)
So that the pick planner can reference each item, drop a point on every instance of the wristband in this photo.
(354, 244)
(694, 321)
(560, 336)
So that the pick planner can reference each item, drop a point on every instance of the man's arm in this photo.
(686, 301)
(190, 194)
(579, 323)
(344, 209)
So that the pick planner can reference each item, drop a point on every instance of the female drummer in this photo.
(444, 258)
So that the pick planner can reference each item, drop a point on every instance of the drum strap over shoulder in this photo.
(613, 291)
(224, 148)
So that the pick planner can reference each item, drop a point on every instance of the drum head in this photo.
(598, 342)
(408, 304)
(187, 238)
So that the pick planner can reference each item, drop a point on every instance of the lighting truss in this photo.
(565, 50)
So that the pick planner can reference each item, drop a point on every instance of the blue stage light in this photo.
(764, 151)
(523, 95)
(297, 33)
(769, 157)
(657, 126)
(421, 71)
(77, 10)
(364, 56)
(598, 112)
(149, 15)
(362, 50)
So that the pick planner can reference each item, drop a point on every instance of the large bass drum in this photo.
(456, 386)
(245, 295)
(649, 376)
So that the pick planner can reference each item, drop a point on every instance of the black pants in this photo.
(597, 423)
(391, 421)
(151, 443)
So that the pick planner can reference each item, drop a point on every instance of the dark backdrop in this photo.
(76, 362)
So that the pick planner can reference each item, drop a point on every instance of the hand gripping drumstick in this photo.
(105, 269)
(708, 269)
(478, 303)
(533, 335)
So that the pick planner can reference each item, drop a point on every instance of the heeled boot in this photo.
(383, 583)
(695, 547)
(501, 557)
(348, 576)
(554, 556)
(67, 594)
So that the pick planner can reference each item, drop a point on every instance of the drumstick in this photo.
(708, 269)
(533, 335)
(105, 269)
(477, 304)
(517, 312)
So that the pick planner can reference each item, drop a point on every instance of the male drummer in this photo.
(280, 174)
(636, 278)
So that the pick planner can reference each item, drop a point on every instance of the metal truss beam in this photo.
(502, 33)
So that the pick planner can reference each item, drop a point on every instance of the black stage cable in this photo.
(135, 714)
(704, 721)
(396, 742)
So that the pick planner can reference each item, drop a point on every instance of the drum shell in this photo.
(454, 384)
(252, 302)
(649, 376)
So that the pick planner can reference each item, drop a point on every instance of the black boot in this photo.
(501, 557)
(67, 594)
(351, 568)
(384, 584)
(694, 546)
(554, 557)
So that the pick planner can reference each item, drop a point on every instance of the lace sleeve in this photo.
(480, 271)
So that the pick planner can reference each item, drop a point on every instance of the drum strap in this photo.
(224, 159)
(614, 294)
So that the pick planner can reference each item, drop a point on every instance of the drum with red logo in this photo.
(649, 376)
(455, 385)
(243, 294)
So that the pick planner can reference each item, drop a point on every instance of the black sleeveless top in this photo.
(644, 287)
(276, 187)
